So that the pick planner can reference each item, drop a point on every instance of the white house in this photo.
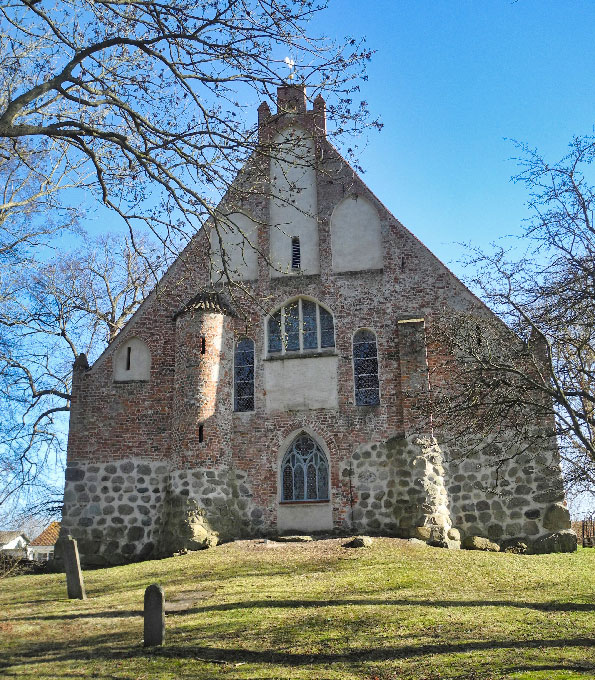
(13, 542)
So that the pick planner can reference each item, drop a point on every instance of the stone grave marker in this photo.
(154, 616)
(75, 585)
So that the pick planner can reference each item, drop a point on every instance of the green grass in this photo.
(250, 611)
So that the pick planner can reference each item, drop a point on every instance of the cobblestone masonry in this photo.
(162, 464)
(134, 509)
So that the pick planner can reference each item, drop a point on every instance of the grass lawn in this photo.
(252, 610)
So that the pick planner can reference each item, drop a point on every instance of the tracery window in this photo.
(365, 368)
(243, 367)
(300, 326)
(304, 471)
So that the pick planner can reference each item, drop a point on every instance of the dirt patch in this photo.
(186, 599)
(322, 547)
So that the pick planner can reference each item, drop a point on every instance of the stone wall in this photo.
(115, 510)
(406, 483)
(398, 486)
(505, 500)
(134, 509)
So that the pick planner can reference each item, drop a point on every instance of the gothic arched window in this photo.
(243, 375)
(300, 326)
(304, 471)
(365, 368)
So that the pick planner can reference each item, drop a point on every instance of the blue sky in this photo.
(454, 81)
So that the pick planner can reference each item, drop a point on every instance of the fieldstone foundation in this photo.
(410, 487)
(133, 509)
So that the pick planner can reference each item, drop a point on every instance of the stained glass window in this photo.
(275, 344)
(309, 326)
(292, 326)
(302, 325)
(365, 369)
(327, 329)
(244, 375)
(304, 471)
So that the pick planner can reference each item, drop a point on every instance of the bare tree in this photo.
(70, 305)
(536, 374)
(142, 104)
(150, 97)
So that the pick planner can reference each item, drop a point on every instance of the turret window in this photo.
(300, 326)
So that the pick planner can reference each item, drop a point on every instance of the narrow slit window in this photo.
(201, 433)
(128, 353)
(296, 256)
(203, 345)
(365, 369)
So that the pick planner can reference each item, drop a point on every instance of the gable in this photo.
(315, 202)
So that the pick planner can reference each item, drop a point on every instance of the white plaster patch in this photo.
(356, 237)
(234, 241)
(293, 203)
(299, 384)
(304, 517)
(132, 361)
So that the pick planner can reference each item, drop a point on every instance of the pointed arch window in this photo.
(304, 471)
(301, 325)
(365, 368)
(243, 375)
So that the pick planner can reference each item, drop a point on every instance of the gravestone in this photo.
(75, 585)
(154, 616)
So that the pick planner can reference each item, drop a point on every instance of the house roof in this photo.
(48, 536)
(7, 536)
(209, 301)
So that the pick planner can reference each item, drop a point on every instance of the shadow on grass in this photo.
(118, 648)
(359, 655)
(575, 667)
(315, 604)
(299, 604)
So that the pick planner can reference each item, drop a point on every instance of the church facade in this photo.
(287, 402)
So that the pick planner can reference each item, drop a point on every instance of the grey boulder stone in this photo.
(201, 536)
(559, 541)
(479, 543)
(549, 496)
(294, 539)
(74, 474)
(556, 517)
(359, 542)
(422, 533)
(418, 542)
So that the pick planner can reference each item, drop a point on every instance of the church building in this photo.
(269, 384)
